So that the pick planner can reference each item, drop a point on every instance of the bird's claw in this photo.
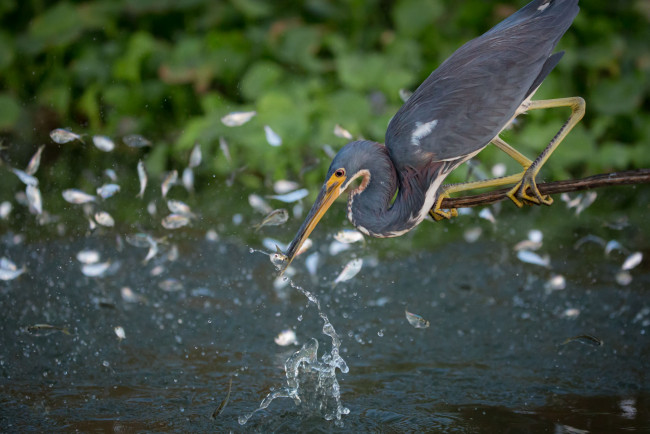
(527, 192)
(437, 213)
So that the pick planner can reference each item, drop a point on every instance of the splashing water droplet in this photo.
(312, 383)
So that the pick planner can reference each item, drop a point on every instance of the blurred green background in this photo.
(169, 70)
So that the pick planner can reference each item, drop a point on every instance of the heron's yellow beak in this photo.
(328, 194)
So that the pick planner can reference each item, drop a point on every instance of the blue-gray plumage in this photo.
(458, 110)
(476, 91)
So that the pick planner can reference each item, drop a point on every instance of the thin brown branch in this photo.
(641, 176)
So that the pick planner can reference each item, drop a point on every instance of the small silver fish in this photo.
(533, 258)
(135, 141)
(175, 221)
(142, 175)
(311, 263)
(188, 179)
(585, 339)
(527, 245)
(416, 320)
(236, 119)
(283, 186)
(535, 235)
(179, 207)
(274, 218)
(348, 236)
(223, 404)
(25, 178)
(34, 199)
(129, 296)
(632, 261)
(110, 173)
(195, 156)
(5, 209)
(169, 182)
(555, 283)
(96, 269)
(273, 244)
(223, 145)
(140, 240)
(305, 246)
(614, 245)
(337, 247)
(62, 136)
(471, 235)
(286, 337)
(486, 214)
(75, 196)
(45, 329)
(623, 278)
(7, 274)
(278, 259)
(103, 143)
(259, 204)
(170, 285)
(350, 270)
(589, 198)
(339, 131)
(172, 254)
(329, 151)
(35, 161)
(571, 313)
(571, 203)
(88, 256)
(294, 196)
(119, 332)
(151, 253)
(104, 219)
(589, 239)
(272, 137)
(7, 264)
(107, 190)
(405, 94)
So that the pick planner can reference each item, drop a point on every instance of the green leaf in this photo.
(6, 50)
(9, 112)
(413, 16)
(140, 45)
(58, 26)
(253, 8)
(622, 95)
(260, 77)
(57, 98)
(612, 156)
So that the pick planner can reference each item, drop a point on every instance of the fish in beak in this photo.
(328, 194)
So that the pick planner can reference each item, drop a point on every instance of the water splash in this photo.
(312, 383)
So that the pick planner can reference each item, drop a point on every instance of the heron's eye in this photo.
(339, 173)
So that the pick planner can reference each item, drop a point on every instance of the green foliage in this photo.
(170, 70)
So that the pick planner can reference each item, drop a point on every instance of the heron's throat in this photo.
(371, 207)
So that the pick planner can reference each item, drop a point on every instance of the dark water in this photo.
(492, 359)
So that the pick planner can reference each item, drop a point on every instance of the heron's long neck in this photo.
(370, 208)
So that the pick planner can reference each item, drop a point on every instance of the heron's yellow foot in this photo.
(437, 212)
(526, 191)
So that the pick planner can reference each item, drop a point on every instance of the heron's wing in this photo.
(468, 100)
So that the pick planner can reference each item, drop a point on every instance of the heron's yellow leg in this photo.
(526, 179)
(494, 182)
(437, 212)
(526, 191)
(512, 152)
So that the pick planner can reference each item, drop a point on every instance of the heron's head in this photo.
(350, 163)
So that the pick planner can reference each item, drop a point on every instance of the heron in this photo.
(461, 108)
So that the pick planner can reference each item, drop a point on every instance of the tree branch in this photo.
(640, 176)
